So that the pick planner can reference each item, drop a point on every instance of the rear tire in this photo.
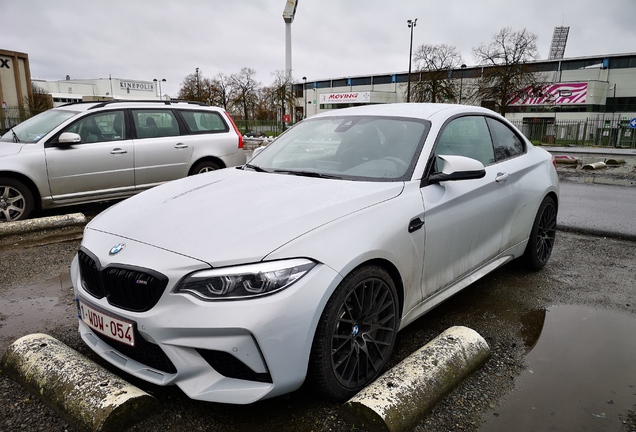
(205, 166)
(542, 236)
(16, 200)
(356, 334)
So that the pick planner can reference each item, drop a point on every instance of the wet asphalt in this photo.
(563, 352)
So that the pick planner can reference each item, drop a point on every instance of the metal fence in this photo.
(10, 117)
(259, 127)
(599, 132)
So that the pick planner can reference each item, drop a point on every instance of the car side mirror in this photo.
(458, 168)
(69, 138)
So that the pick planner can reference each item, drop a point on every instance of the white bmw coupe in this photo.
(305, 263)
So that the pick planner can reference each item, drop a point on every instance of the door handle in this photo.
(502, 177)
(415, 224)
(118, 151)
(180, 146)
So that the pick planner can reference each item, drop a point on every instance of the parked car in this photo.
(255, 134)
(97, 151)
(304, 263)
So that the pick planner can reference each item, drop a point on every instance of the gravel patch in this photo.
(505, 307)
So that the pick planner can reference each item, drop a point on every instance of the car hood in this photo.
(234, 216)
(8, 148)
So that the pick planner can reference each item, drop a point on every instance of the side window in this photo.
(467, 136)
(204, 121)
(155, 123)
(104, 126)
(507, 143)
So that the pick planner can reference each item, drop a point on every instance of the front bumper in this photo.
(225, 351)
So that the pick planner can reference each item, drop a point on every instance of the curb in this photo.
(401, 397)
(40, 224)
(596, 232)
(620, 151)
(81, 391)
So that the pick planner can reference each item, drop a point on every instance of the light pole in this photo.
(612, 122)
(305, 97)
(552, 99)
(614, 101)
(411, 24)
(461, 83)
(198, 87)
(160, 81)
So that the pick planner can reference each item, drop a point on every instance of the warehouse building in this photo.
(588, 98)
(76, 90)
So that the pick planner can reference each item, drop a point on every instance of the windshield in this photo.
(369, 148)
(33, 129)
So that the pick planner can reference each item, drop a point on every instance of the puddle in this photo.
(35, 308)
(581, 375)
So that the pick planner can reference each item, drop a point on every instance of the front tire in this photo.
(16, 200)
(542, 235)
(356, 333)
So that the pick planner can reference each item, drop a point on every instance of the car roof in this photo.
(85, 106)
(415, 110)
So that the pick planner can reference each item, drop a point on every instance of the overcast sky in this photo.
(146, 39)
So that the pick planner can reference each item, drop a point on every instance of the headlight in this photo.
(245, 281)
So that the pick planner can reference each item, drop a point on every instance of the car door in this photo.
(162, 153)
(465, 219)
(101, 164)
(513, 164)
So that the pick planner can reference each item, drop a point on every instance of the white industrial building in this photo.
(76, 90)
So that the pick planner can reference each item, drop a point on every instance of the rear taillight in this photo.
(554, 162)
(240, 145)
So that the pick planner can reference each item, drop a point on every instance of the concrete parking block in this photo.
(81, 391)
(594, 166)
(400, 398)
(40, 224)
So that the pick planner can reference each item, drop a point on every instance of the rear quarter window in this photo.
(506, 142)
(204, 121)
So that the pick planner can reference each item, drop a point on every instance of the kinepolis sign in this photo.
(338, 98)
(136, 85)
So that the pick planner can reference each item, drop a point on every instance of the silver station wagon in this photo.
(98, 151)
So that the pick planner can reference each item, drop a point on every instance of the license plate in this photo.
(115, 328)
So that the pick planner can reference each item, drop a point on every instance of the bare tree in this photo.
(266, 104)
(222, 91)
(507, 75)
(38, 101)
(435, 64)
(196, 88)
(282, 91)
(244, 88)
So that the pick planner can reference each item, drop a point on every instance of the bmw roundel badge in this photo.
(116, 249)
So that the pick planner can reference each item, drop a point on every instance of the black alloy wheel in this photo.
(542, 236)
(356, 333)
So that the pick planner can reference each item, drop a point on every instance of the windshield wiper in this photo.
(256, 168)
(15, 137)
(308, 174)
